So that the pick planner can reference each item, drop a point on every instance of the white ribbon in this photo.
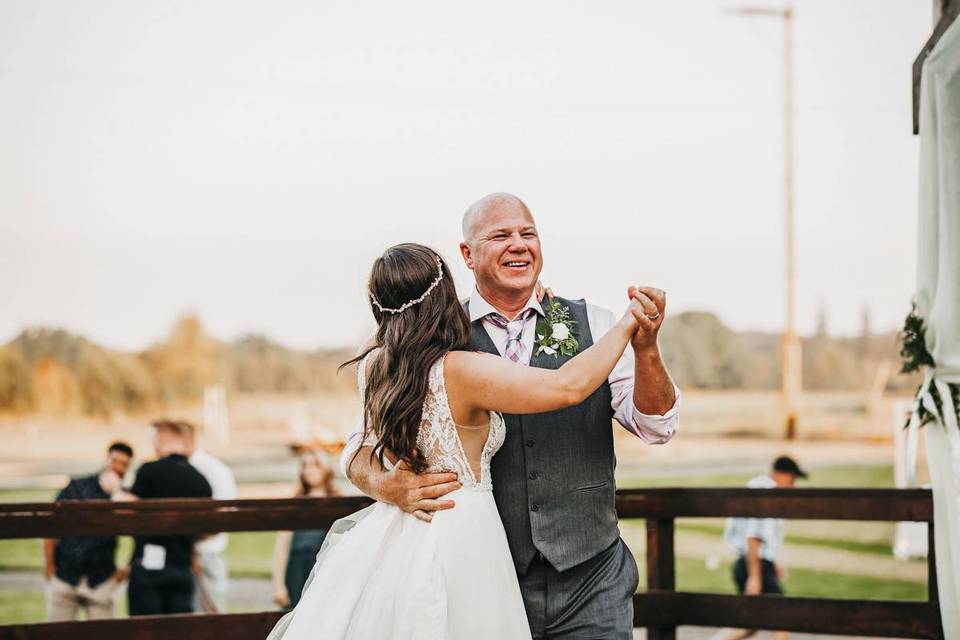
(943, 459)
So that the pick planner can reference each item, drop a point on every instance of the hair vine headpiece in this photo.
(415, 301)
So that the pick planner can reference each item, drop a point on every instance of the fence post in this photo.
(660, 568)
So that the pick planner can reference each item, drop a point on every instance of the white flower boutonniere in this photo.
(556, 335)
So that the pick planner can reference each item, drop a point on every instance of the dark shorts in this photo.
(768, 574)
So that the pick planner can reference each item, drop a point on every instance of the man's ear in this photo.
(467, 255)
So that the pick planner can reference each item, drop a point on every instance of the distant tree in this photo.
(831, 365)
(56, 389)
(37, 344)
(53, 371)
(702, 352)
(138, 388)
(259, 364)
(187, 362)
(16, 386)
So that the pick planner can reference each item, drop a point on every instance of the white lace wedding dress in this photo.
(392, 576)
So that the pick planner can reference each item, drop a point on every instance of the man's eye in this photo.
(500, 236)
(530, 235)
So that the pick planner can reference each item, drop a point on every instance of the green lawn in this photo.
(21, 606)
(852, 476)
(693, 575)
(27, 495)
(249, 554)
(879, 548)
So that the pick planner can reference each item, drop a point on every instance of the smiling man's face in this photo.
(502, 248)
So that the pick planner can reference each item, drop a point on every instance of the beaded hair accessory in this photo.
(416, 301)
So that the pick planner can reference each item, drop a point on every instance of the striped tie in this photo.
(514, 350)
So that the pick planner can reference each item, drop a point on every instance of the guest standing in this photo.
(161, 578)
(295, 552)
(212, 577)
(81, 572)
(758, 543)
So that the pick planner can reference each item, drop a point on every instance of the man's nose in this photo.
(516, 243)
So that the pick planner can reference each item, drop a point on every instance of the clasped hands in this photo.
(649, 312)
(653, 306)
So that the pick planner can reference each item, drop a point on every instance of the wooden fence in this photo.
(661, 609)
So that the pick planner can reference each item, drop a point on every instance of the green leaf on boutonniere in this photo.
(556, 331)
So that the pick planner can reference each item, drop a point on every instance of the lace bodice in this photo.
(439, 436)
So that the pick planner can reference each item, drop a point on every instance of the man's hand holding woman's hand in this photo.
(418, 494)
(648, 306)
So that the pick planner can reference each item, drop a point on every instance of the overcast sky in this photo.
(248, 160)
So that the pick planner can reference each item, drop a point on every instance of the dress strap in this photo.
(438, 385)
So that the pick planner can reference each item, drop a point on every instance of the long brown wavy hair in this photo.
(409, 343)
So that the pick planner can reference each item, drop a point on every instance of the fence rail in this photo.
(661, 609)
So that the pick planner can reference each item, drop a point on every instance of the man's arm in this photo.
(754, 578)
(631, 386)
(757, 530)
(417, 494)
(280, 552)
(50, 567)
(656, 395)
(50, 544)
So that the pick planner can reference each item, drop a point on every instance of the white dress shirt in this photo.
(653, 429)
(224, 487)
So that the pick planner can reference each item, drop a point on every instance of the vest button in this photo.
(533, 475)
(530, 443)
(534, 507)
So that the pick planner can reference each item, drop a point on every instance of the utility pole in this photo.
(791, 348)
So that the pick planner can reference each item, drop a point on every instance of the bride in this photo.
(431, 404)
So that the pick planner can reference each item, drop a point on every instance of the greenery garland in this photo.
(913, 351)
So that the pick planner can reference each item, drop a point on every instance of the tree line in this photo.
(56, 372)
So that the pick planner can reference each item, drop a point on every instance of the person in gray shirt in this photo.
(758, 543)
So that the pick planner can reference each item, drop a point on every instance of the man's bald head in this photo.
(475, 214)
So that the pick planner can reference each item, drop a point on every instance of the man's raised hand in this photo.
(654, 304)
(418, 493)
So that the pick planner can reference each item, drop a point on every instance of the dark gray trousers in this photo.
(592, 600)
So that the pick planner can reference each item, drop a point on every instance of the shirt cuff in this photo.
(657, 429)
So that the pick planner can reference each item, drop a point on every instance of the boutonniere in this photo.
(556, 334)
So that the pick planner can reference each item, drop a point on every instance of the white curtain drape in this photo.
(938, 302)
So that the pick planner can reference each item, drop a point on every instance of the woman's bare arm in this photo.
(281, 550)
(480, 381)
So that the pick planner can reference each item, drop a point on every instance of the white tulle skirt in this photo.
(392, 576)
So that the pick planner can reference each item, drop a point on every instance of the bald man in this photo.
(553, 478)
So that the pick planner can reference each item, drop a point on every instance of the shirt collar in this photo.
(480, 308)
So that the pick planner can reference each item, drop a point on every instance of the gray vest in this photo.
(553, 476)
